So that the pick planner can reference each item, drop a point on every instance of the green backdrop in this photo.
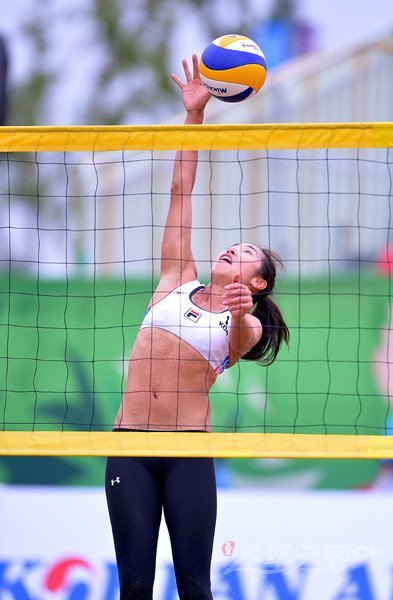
(62, 345)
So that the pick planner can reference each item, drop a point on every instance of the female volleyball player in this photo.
(190, 334)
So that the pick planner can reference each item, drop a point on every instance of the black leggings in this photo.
(137, 490)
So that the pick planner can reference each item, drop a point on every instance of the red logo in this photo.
(57, 576)
(228, 548)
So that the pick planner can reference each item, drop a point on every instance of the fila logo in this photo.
(193, 315)
(117, 480)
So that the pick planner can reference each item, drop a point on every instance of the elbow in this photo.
(176, 189)
(182, 188)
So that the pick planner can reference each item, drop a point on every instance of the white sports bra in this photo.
(207, 332)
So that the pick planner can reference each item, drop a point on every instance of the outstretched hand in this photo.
(195, 95)
(237, 298)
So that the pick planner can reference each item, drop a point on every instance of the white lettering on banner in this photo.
(334, 558)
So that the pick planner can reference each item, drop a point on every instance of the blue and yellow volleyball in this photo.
(233, 68)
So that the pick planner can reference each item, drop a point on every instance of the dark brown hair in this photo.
(274, 328)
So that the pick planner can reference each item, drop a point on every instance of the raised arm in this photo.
(177, 262)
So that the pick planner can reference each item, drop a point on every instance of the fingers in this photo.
(177, 80)
(237, 298)
(195, 66)
(237, 292)
(237, 301)
(187, 71)
(239, 310)
(237, 286)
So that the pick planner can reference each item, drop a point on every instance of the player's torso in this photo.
(169, 378)
(167, 385)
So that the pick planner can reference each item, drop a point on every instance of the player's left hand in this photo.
(237, 298)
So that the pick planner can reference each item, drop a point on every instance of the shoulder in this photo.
(256, 330)
(247, 332)
(252, 325)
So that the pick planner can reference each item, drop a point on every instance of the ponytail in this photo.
(274, 328)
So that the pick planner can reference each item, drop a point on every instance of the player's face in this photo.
(242, 259)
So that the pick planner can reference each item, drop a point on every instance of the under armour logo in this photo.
(117, 480)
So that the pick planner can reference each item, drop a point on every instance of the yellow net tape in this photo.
(207, 137)
(219, 445)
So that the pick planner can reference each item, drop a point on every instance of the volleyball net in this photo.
(82, 217)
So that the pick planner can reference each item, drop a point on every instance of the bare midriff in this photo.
(167, 385)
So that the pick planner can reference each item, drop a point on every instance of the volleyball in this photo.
(233, 68)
